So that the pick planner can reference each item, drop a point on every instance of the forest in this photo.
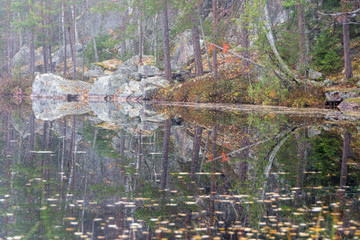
(231, 51)
(179, 119)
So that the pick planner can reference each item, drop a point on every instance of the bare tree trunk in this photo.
(196, 44)
(345, 157)
(271, 39)
(215, 68)
(347, 56)
(166, 42)
(64, 33)
(196, 149)
(165, 153)
(32, 53)
(71, 32)
(95, 50)
(212, 185)
(141, 34)
(44, 38)
(302, 34)
(8, 37)
(245, 34)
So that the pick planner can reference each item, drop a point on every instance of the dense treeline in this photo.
(282, 38)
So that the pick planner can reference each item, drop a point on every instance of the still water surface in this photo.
(143, 171)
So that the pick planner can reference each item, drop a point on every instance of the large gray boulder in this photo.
(22, 57)
(338, 96)
(314, 75)
(55, 87)
(149, 71)
(183, 50)
(58, 56)
(107, 86)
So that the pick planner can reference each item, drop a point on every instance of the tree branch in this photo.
(337, 14)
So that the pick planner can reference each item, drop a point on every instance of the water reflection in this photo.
(136, 171)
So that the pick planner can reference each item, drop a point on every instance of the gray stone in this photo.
(346, 106)
(329, 83)
(317, 84)
(149, 71)
(22, 57)
(94, 74)
(183, 50)
(107, 86)
(314, 75)
(338, 96)
(58, 56)
(358, 84)
(55, 87)
(150, 92)
(155, 81)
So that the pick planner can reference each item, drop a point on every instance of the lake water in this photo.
(147, 171)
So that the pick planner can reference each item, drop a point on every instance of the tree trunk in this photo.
(271, 39)
(215, 68)
(8, 37)
(196, 44)
(196, 150)
(244, 35)
(165, 153)
(71, 33)
(141, 34)
(302, 34)
(166, 42)
(44, 32)
(345, 157)
(347, 56)
(64, 33)
(95, 50)
(32, 53)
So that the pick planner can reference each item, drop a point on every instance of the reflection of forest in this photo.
(197, 174)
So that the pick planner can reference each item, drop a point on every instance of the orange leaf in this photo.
(226, 47)
(211, 47)
(224, 157)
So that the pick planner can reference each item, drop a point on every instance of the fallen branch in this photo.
(339, 14)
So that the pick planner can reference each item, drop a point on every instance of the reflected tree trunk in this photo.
(212, 185)
(196, 150)
(165, 153)
(345, 157)
(8, 36)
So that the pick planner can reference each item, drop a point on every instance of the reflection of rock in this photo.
(313, 131)
(183, 142)
(339, 116)
(128, 115)
(56, 87)
(49, 110)
(346, 106)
